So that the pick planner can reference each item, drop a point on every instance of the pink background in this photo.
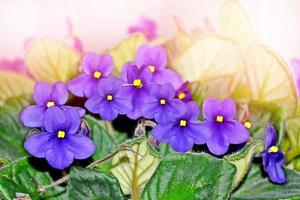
(101, 24)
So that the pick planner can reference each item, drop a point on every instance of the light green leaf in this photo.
(293, 135)
(134, 168)
(21, 177)
(263, 113)
(190, 177)
(51, 61)
(214, 63)
(243, 159)
(234, 22)
(14, 85)
(93, 184)
(257, 186)
(269, 78)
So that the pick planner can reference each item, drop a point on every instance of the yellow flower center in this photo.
(273, 149)
(97, 74)
(247, 125)
(50, 103)
(152, 68)
(162, 101)
(138, 83)
(61, 134)
(109, 97)
(220, 118)
(181, 96)
(183, 123)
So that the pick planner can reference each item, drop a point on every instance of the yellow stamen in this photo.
(152, 68)
(181, 96)
(50, 103)
(61, 134)
(183, 123)
(219, 118)
(97, 74)
(138, 83)
(162, 101)
(247, 125)
(273, 149)
(109, 97)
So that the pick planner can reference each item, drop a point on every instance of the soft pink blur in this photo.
(101, 24)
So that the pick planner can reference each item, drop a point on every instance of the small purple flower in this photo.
(273, 158)
(145, 26)
(45, 96)
(137, 85)
(224, 129)
(183, 93)
(161, 104)
(94, 68)
(155, 58)
(296, 68)
(60, 142)
(184, 130)
(110, 100)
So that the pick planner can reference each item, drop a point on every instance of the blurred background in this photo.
(102, 24)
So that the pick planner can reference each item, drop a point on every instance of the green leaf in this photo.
(190, 177)
(12, 133)
(165, 149)
(93, 184)
(243, 159)
(134, 168)
(104, 142)
(263, 113)
(257, 186)
(21, 177)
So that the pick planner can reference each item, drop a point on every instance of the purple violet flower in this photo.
(161, 104)
(45, 96)
(94, 68)
(155, 58)
(110, 100)
(137, 85)
(224, 129)
(145, 26)
(296, 69)
(184, 130)
(60, 143)
(273, 158)
(183, 93)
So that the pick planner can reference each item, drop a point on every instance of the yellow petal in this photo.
(270, 78)
(14, 85)
(51, 61)
(234, 22)
(125, 51)
(215, 64)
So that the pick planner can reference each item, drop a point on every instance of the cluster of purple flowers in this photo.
(61, 140)
(145, 89)
(148, 89)
(110, 96)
